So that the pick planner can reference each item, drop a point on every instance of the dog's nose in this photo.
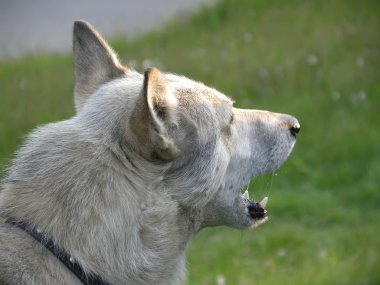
(295, 129)
(291, 123)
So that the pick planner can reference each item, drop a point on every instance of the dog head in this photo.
(180, 133)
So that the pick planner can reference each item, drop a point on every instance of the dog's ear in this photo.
(160, 100)
(162, 105)
(153, 117)
(94, 62)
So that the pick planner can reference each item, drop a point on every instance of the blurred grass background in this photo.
(318, 60)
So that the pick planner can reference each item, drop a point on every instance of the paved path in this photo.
(27, 26)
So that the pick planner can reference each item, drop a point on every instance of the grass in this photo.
(317, 60)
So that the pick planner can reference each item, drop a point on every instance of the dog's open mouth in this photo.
(256, 210)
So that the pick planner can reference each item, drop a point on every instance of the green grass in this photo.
(317, 60)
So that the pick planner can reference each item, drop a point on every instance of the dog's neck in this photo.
(102, 233)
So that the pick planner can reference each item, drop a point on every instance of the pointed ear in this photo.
(94, 62)
(153, 117)
(160, 101)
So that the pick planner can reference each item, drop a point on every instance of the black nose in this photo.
(295, 129)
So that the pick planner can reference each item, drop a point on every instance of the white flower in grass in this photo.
(362, 96)
(322, 253)
(263, 73)
(22, 84)
(248, 37)
(312, 59)
(220, 280)
(360, 61)
(281, 252)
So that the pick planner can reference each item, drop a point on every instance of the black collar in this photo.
(61, 254)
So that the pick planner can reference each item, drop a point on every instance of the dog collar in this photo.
(61, 254)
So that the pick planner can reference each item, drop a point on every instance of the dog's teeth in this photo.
(246, 194)
(264, 202)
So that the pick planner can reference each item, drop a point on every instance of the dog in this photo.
(121, 188)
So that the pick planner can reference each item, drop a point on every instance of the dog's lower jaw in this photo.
(242, 213)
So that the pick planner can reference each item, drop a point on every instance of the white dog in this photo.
(115, 194)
